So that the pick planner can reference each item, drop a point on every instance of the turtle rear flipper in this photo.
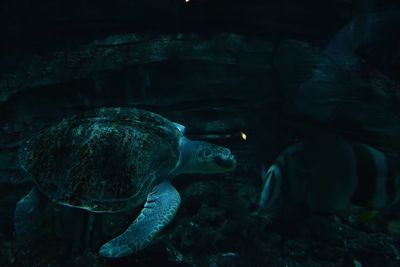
(161, 206)
(28, 213)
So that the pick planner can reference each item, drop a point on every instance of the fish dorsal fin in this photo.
(180, 127)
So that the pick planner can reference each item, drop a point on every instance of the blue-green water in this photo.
(304, 95)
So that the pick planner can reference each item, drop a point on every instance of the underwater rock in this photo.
(374, 250)
(210, 231)
(226, 259)
(127, 50)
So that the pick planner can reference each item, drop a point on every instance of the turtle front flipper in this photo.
(28, 213)
(161, 206)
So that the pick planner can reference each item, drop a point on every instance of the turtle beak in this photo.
(226, 161)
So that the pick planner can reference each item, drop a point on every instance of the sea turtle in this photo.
(111, 160)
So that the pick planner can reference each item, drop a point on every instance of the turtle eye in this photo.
(207, 153)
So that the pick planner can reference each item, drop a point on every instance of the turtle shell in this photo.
(105, 160)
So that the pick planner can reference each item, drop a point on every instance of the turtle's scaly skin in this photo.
(106, 160)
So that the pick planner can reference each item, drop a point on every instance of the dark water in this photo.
(256, 77)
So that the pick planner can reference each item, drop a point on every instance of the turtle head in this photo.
(203, 157)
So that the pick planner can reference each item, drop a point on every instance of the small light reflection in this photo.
(244, 136)
(187, 1)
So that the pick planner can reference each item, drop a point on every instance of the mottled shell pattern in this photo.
(104, 160)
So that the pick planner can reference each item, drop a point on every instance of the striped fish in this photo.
(329, 174)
